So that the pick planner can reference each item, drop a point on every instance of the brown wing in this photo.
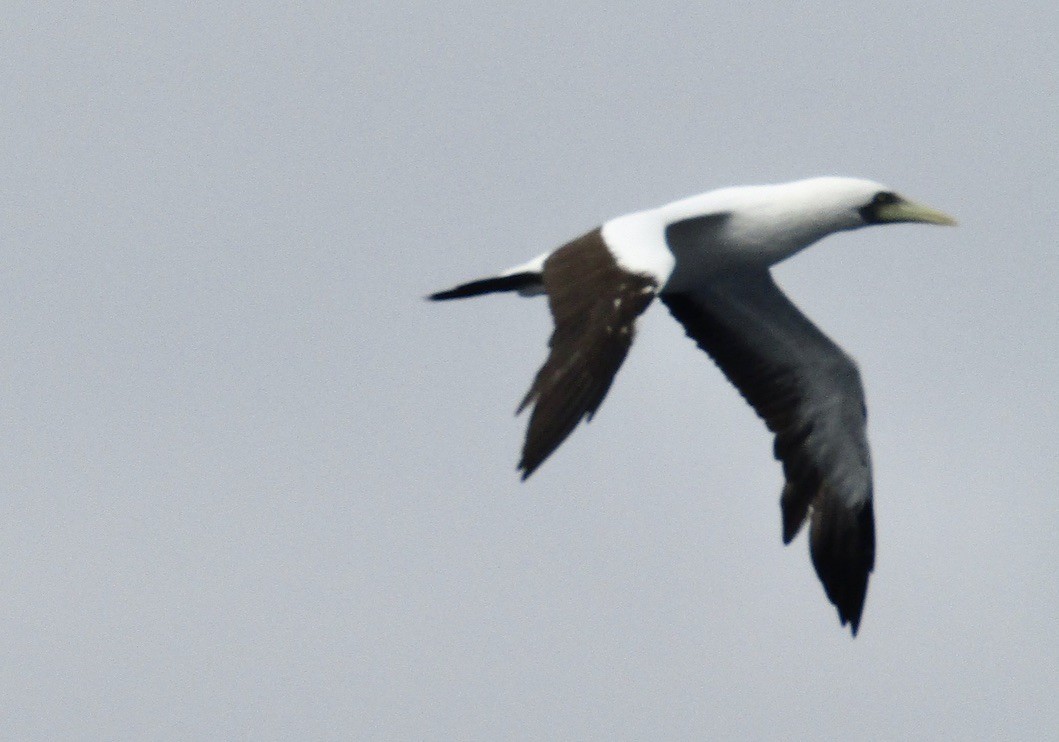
(594, 305)
(809, 394)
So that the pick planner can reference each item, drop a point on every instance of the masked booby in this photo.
(707, 258)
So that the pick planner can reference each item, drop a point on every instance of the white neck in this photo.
(762, 225)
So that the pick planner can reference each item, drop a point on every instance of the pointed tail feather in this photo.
(495, 284)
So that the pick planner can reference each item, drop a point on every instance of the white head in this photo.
(760, 224)
(775, 221)
(835, 204)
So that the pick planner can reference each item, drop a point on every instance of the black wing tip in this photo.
(848, 599)
(854, 622)
(842, 546)
(850, 614)
(526, 468)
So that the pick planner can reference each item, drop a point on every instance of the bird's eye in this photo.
(884, 197)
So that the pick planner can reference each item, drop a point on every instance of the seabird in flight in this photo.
(707, 258)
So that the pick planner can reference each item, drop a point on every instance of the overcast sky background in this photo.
(254, 487)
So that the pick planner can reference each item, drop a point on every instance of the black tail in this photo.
(493, 285)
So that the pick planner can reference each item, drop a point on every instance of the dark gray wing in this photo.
(809, 394)
(594, 303)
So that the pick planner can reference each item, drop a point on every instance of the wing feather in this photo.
(594, 303)
(808, 392)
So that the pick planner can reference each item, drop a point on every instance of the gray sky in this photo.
(256, 488)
